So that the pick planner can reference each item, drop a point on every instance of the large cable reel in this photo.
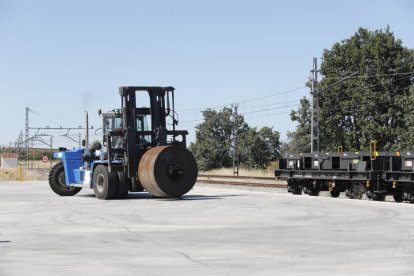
(167, 171)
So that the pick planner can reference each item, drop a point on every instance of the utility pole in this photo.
(235, 141)
(26, 138)
(32, 159)
(19, 144)
(315, 108)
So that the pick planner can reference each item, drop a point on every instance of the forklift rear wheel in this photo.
(105, 183)
(57, 182)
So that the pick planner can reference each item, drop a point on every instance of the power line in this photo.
(270, 104)
(244, 113)
(268, 109)
(189, 122)
(245, 101)
(43, 117)
(287, 105)
(272, 95)
(371, 76)
(268, 115)
(378, 92)
(299, 88)
(365, 104)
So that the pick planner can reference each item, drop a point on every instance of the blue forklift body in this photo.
(72, 160)
(77, 172)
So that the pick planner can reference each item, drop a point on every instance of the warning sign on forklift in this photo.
(45, 158)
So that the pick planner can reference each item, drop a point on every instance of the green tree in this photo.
(407, 138)
(300, 139)
(374, 104)
(213, 145)
(259, 147)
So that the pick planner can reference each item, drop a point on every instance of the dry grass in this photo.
(9, 174)
(40, 172)
(268, 172)
(13, 175)
(40, 164)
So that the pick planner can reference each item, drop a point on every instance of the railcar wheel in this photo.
(104, 183)
(335, 193)
(398, 197)
(379, 197)
(314, 192)
(297, 190)
(57, 182)
(294, 188)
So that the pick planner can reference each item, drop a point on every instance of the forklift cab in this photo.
(113, 121)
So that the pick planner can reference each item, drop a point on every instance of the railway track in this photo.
(251, 182)
(247, 181)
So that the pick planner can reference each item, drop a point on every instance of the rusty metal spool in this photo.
(167, 171)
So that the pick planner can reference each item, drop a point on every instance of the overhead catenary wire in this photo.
(366, 75)
(291, 90)
(245, 101)
(44, 117)
(372, 87)
(294, 105)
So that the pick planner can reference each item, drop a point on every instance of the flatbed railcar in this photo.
(401, 177)
(375, 174)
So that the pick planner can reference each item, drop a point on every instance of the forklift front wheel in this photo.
(104, 183)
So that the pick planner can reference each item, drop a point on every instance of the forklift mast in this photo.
(135, 142)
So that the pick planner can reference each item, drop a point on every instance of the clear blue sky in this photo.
(62, 57)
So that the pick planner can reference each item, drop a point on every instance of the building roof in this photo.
(8, 155)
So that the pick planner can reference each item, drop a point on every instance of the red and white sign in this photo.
(45, 158)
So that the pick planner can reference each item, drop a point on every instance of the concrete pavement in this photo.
(210, 231)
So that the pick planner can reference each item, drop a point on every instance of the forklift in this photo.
(138, 152)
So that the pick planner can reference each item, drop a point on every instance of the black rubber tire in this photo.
(335, 193)
(314, 192)
(398, 197)
(297, 191)
(123, 186)
(105, 184)
(379, 197)
(57, 181)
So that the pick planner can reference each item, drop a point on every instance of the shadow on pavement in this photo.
(145, 195)
(184, 197)
(88, 195)
(203, 197)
